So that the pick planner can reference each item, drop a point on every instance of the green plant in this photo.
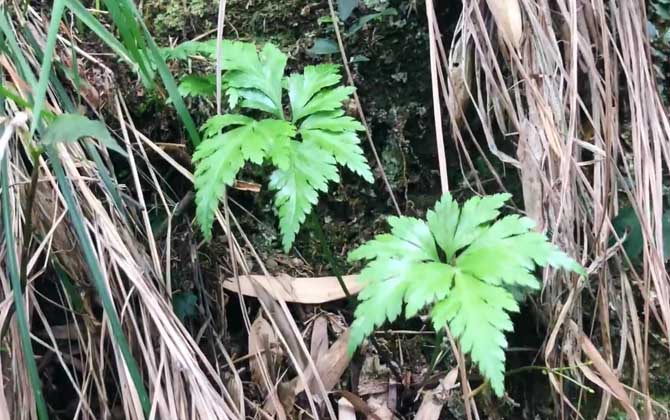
(303, 147)
(467, 278)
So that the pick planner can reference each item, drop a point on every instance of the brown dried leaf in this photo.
(607, 380)
(434, 400)
(307, 290)
(319, 344)
(262, 339)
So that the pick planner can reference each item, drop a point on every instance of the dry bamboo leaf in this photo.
(319, 343)
(247, 186)
(434, 400)
(610, 383)
(330, 366)
(262, 339)
(359, 405)
(307, 290)
(507, 15)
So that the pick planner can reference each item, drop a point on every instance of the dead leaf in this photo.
(529, 153)
(330, 366)
(434, 400)
(307, 290)
(507, 15)
(380, 405)
(359, 405)
(319, 344)
(610, 383)
(262, 340)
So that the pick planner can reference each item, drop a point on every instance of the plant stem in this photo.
(327, 251)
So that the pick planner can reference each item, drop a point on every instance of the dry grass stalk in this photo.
(583, 132)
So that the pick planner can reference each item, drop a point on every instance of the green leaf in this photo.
(189, 49)
(185, 305)
(250, 74)
(336, 134)
(325, 101)
(323, 46)
(364, 20)
(302, 87)
(460, 228)
(471, 292)
(306, 172)
(304, 164)
(345, 8)
(477, 314)
(626, 224)
(194, 85)
(68, 128)
(222, 154)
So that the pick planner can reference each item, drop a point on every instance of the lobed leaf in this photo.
(221, 155)
(255, 77)
(304, 172)
(488, 262)
(303, 87)
(476, 313)
(193, 85)
(335, 134)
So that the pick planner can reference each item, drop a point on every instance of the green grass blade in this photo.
(88, 250)
(173, 90)
(45, 70)
(16, 51)
(24, 329)
(99, 29)
(131, 35)
(166, 76)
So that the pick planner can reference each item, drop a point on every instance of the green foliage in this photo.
(627, 225)
(185, 305)
(304, 148)
(463, 262)
(68, 128)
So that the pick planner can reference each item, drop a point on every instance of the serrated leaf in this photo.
(325, 101)
(250, 73)
(222, 154)
(472, 292)
(68, 128)
(410, 240)
(194, 85)
(302, 87)
(476, 313)
(335, 134)
(304, 168)
(189, 49)
(381, 299)
(307, 173)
